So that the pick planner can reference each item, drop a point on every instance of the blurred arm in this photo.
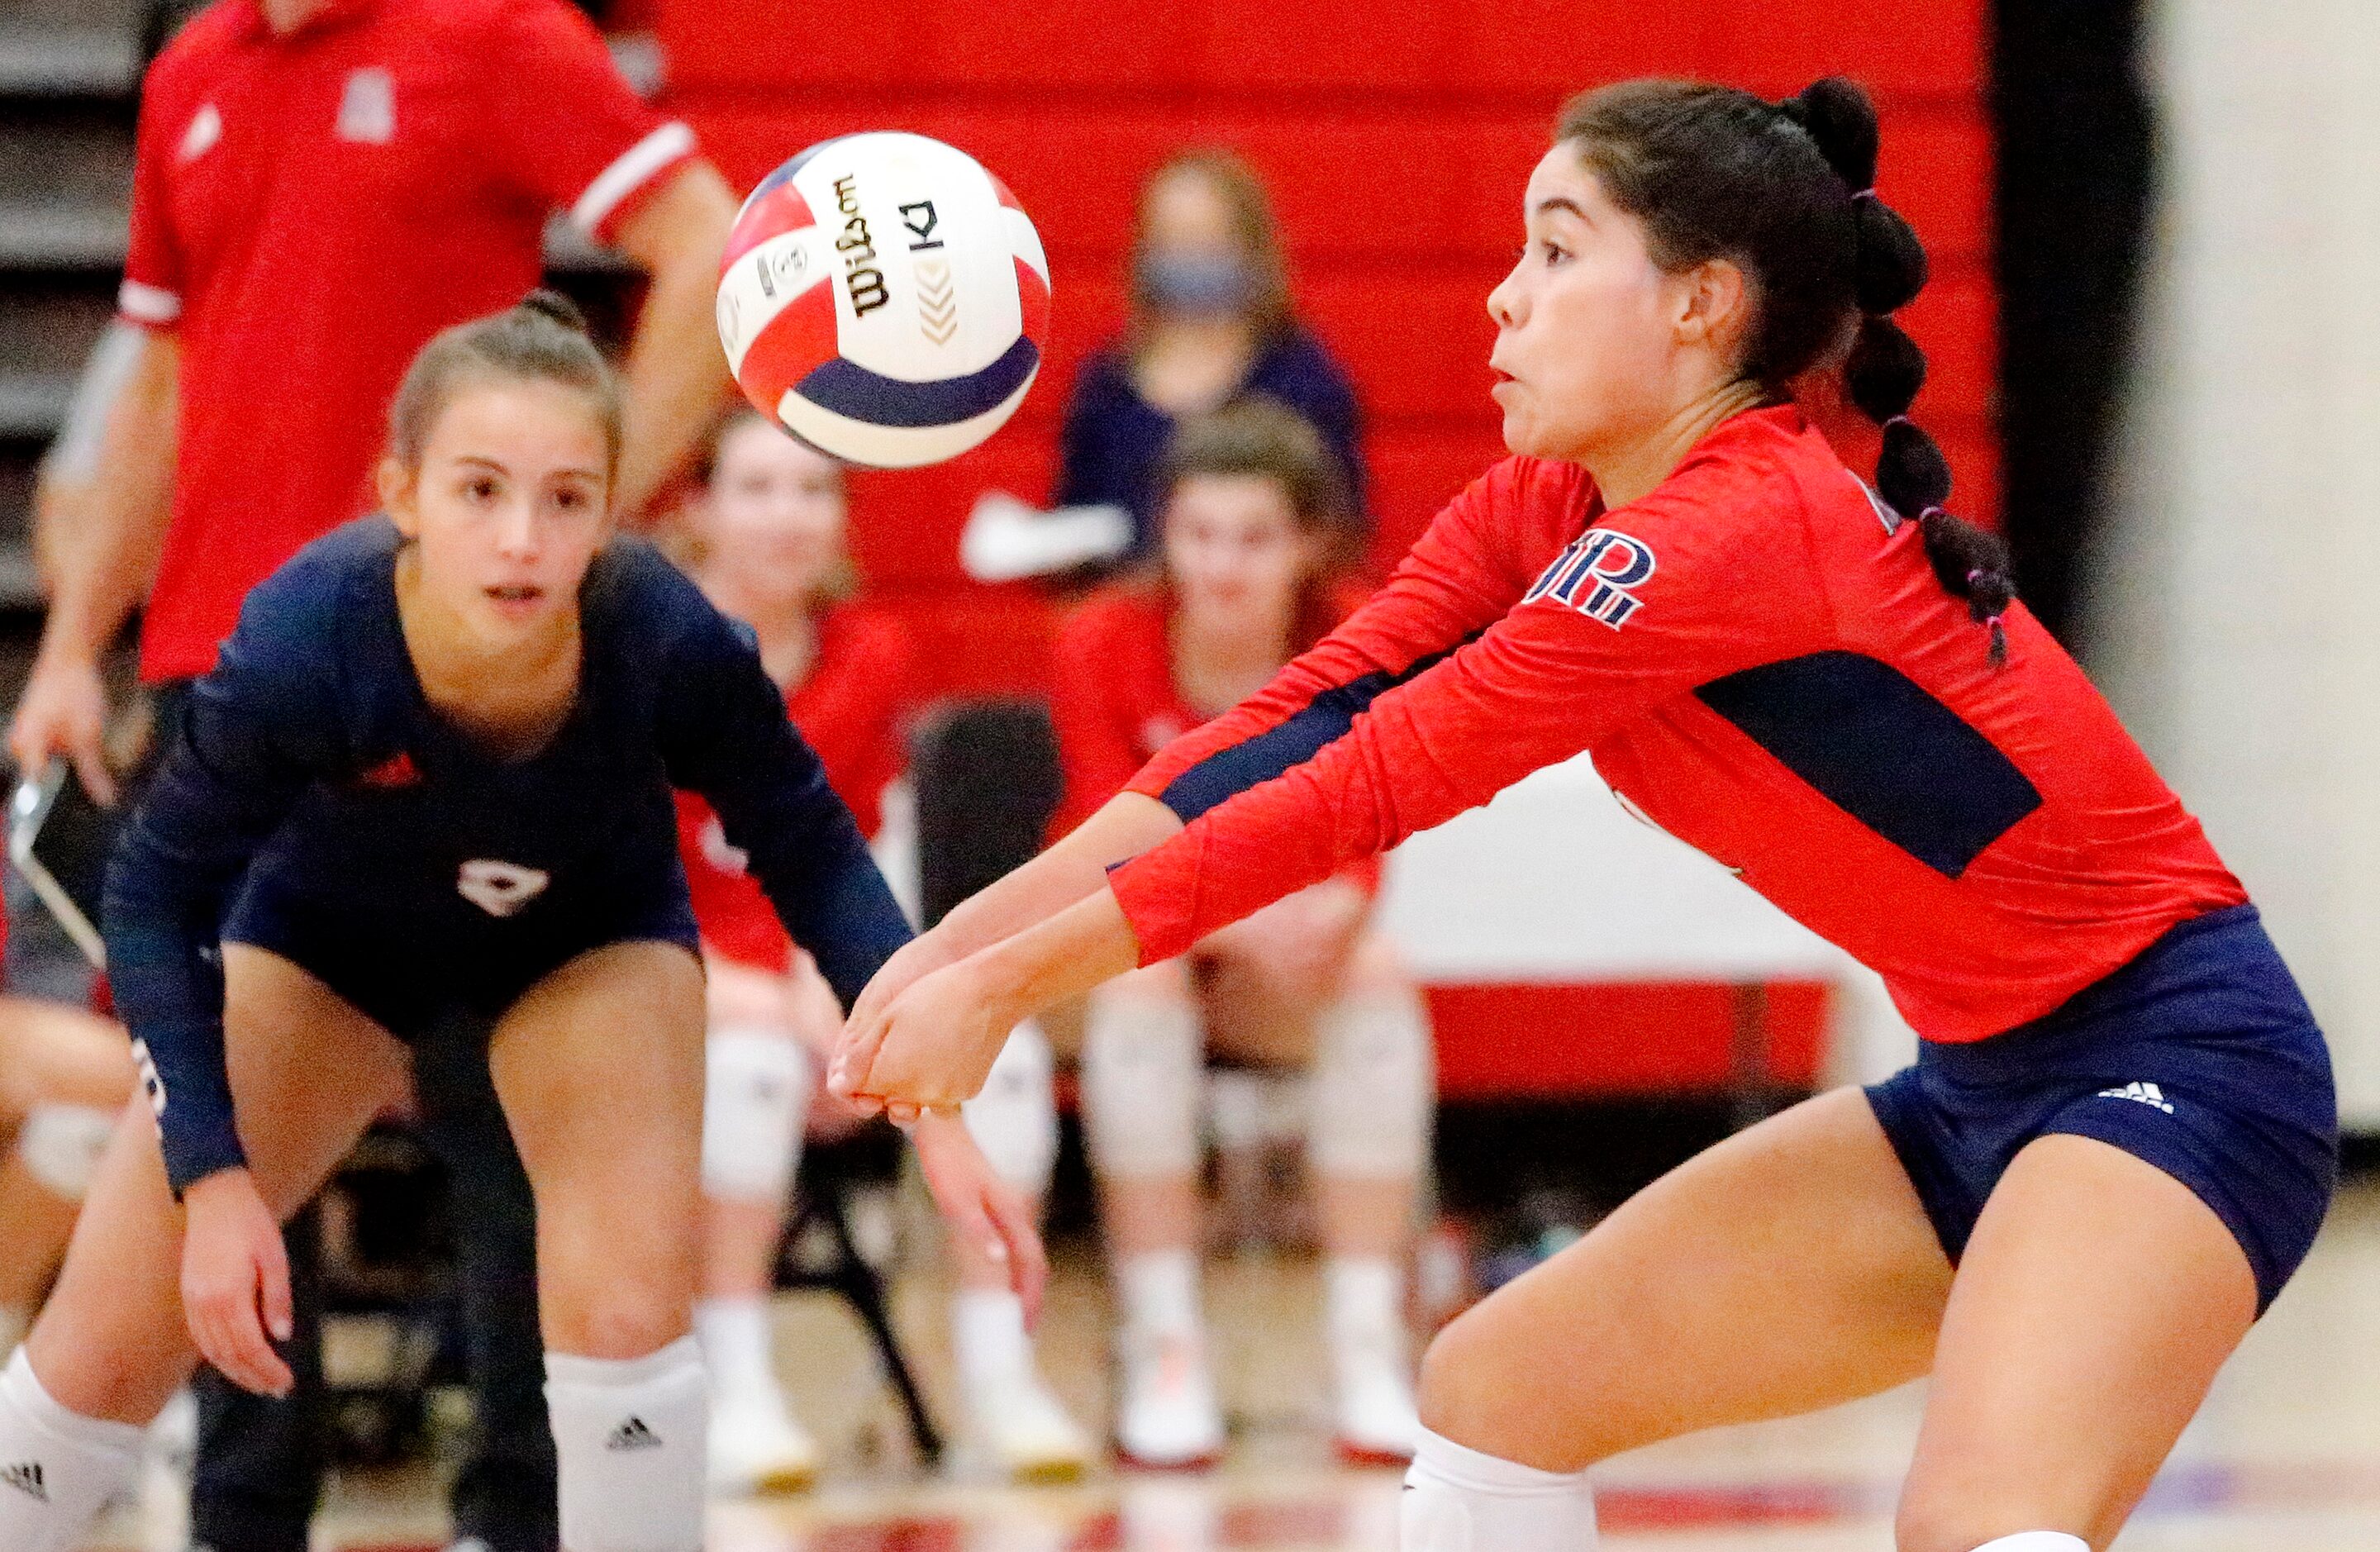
(676, 375)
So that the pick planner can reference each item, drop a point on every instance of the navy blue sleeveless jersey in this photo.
(314, 803)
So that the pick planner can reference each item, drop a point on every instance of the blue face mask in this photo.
(1201, 284)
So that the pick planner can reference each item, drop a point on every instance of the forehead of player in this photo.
(499, 434)
(1565, 204)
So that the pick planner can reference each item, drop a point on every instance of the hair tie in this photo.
(1977, 576)
(1898, 420)
(1992, 621)
(1867, 193)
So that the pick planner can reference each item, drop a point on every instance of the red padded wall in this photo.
(1396, 137)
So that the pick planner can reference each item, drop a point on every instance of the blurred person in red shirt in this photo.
(1253, 538)
(319, 188)
(765, 539)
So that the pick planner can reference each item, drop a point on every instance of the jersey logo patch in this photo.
(501, 889)
(368, 107)
(1593, 576)
(397, 770)
(206, 128)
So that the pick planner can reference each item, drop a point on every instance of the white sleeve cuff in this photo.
(146, 304)
(630, 173)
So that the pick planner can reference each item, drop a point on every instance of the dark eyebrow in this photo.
(1553, 203)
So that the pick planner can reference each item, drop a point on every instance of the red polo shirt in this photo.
(308, 209)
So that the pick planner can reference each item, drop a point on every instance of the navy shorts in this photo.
(412, 982)
(2200, 1057)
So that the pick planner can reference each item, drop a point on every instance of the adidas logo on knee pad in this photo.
(632, 1435)
(26, 1477)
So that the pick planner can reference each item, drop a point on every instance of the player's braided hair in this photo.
(1786, 191)
(541, 338)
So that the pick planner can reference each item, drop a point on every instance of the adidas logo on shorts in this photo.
(2144, 1093)
(26, 1477)
(632, 1435)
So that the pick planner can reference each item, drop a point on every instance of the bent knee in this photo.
(618, 1329)
(1954, 1519)
(1471, 1377)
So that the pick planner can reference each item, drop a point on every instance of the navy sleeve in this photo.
(254, 735)
(725, 734)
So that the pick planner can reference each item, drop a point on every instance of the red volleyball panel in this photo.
(801, 338)
(783, 209)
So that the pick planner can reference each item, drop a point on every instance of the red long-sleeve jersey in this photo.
(1114, 704)
(847, 707)
(1758, 657)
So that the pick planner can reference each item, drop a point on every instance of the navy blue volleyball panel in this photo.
(852, 390)
(1882, 749)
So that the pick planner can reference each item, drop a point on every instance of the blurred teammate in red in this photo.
(1253, 531)
(2120, 1137)
(767, 544)
(319, 188)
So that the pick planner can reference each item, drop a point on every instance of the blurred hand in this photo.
(930, 1049)
(64, 711)
(235, 1283)
(981, 1207)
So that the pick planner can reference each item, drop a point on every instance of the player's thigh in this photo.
(599, 1067)
(2094, 1303)
(1788, 1268)
(307, 1073)
(54, 1054)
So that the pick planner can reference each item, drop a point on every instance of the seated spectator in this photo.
(1254, 519)
(1211, 324)
(65, 1075)
(766, 541)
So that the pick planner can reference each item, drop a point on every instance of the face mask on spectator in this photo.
(1202, 284)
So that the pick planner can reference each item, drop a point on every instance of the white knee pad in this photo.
(1014, 1120)
(1459, 1500)
(61, 1145)
(1141, 1070)
(57, 1467)
(1375, 1088)
(756, 1098)
(2038, 1541)
(630, 1440)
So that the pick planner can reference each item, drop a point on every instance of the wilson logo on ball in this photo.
(886, 299)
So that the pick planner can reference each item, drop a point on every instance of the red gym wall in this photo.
(1396, 137)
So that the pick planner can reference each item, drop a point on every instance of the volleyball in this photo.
(885, 299)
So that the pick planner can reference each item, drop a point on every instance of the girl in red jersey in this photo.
(767, 544)
(2120, 1137)
(1252, 524)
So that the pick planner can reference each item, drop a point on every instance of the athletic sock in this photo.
(1363, 1301)
(57, 1467)
(2038, 1541)
(629, 1440)
(988, 1337)
(1460, 1500)
(1160, 1292)
(734, 1331)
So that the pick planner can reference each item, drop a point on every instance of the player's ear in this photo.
(1712, 301)
(397, 485)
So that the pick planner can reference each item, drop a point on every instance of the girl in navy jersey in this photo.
(2120, 1137)
(431, 776)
